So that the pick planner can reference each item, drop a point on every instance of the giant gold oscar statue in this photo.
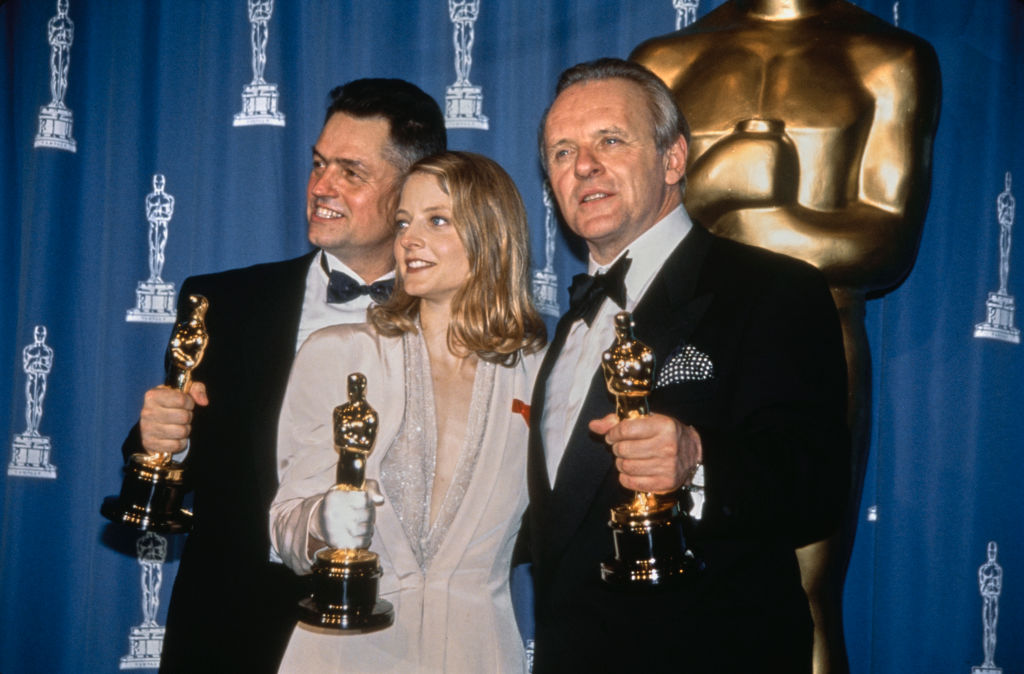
(154, 485)
(812, 128)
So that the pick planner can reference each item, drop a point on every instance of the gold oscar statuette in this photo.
(345, 581)
(650, 546)
(154, 484)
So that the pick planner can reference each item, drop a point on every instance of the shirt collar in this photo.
(334, 264)
(649, 251)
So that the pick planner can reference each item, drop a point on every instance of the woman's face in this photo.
(429, 255)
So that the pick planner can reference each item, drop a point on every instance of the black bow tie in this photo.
(588, 292)
(343, 288)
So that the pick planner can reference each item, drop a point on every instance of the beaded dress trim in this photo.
(407, 469)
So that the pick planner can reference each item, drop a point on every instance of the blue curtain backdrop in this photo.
(153, 89)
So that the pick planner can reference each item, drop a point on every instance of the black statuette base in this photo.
(649, 550)
(345, 585)
(151, 498)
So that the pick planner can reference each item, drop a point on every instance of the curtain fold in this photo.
(153, 89)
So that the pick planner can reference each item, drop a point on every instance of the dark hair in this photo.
(669, 122)
(492, 314)
(415, 120)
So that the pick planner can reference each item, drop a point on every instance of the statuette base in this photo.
(650, 548)
(154, 303)
(55, 124)
(464, 107)
(345, 584)
(146, 644)
(1000, 320)
(151, 497)
(31, 457)
(545, 292)
(259, 106)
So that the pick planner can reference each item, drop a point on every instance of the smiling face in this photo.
(610, 181)
(431, 258)
(350, 193)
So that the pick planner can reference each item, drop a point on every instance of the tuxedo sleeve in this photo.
(777, 459)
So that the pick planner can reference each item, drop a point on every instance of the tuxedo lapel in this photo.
(583, 468)
(279, 299)
(537, 479)
(671, 308)
(277, 295)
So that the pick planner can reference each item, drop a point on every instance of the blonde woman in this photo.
(449, 362)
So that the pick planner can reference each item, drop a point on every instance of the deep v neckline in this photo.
(407, 469)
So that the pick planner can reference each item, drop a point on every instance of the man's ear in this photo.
(675, 161)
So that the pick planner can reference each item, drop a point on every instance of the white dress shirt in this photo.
(580, 357)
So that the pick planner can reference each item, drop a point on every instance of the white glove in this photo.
(346, 517)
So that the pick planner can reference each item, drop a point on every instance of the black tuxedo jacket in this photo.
(232, 610)
(775, 450)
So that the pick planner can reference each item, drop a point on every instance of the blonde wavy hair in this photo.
(492, 314)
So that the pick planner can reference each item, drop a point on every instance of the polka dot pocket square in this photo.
(686, 363)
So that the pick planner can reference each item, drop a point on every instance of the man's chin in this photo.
(596, 229)
(326, 234)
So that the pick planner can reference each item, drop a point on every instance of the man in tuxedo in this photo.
(749, 393)
(232, 607)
